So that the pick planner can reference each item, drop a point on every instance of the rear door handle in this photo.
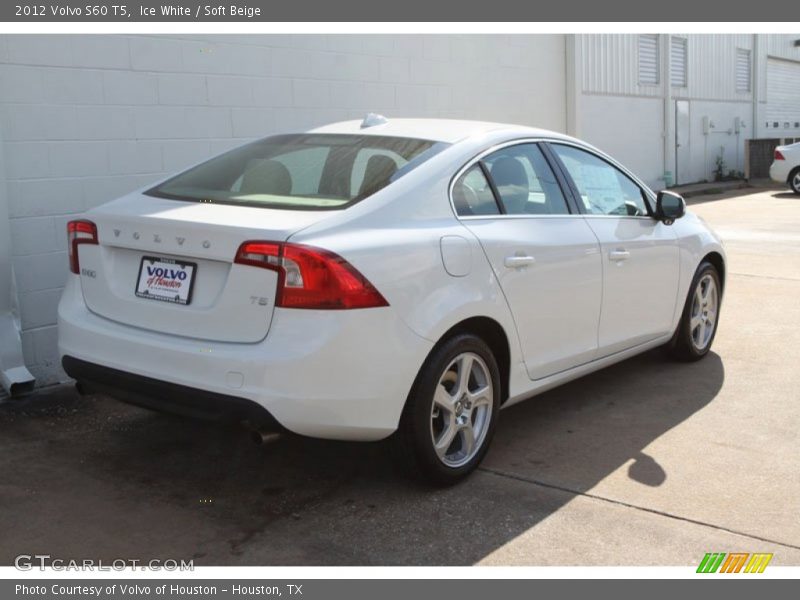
(619, 255)
(517, 262)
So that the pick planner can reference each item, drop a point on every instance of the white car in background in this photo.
(785, 167)
(402, 278)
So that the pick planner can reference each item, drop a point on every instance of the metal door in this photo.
(682, 158)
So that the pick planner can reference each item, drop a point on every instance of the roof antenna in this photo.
(373, 119)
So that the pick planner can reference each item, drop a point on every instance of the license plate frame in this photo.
(164, 296)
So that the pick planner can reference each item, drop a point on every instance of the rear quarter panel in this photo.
(394, 240)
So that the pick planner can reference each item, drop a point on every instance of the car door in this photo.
(544, 254)
(640, 253)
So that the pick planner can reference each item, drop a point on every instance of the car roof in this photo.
(438, 130)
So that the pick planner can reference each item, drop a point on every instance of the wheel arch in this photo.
(491, 332)
(715, 258)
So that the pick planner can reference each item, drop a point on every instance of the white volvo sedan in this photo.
(404, 278)
(785, 166)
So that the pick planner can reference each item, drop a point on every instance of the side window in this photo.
(525, 182)
(604, 189)
(472, 194)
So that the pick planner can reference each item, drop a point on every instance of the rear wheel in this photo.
(794, 180)
(451, 412)
(698, 325)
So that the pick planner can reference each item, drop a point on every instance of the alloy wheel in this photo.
(703, 317)
(461, 409)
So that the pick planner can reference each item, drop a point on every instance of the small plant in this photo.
(719, 172)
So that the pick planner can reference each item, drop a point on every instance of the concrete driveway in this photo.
(649, 462)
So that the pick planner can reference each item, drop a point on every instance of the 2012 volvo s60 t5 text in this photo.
(402, 278)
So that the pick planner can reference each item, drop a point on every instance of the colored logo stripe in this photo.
(710, 562)
(758, 563)
(734, 562)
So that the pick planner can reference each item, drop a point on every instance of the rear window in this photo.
(305, 171)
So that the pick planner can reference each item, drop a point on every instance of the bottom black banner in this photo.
(382, 589)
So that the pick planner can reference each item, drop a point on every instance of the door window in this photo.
(603, 189)
(472, 194)
(525, 182)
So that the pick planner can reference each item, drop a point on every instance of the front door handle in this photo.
(619, 254)
(518, 261)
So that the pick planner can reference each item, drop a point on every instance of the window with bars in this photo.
(743, 70)
(678, 61)
(648, 59)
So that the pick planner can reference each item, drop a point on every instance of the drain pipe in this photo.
(14, 376)
(755, 92)
(670, 176)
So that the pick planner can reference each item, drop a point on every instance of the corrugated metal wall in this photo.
(782, 45)
(712, 67)
(778, 63)
(611, 66)
(783, 96)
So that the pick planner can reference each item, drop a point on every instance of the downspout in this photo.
(756, 84)
(14, 376)
(574, 82)
(669, 147)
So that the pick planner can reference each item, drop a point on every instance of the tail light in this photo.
(311, 277)
(778, 155)
(79, 232)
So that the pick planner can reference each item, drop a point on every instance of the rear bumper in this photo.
(779, 171)
(328, 374)
(164, 396)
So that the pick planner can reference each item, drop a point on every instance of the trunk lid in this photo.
(228, 303)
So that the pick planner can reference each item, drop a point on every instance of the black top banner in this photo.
(407, 11)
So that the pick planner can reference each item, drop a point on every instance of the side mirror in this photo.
(669, 206)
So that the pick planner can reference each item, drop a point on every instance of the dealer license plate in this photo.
(166, 279)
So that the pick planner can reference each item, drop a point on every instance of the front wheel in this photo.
(794, 180)
(698, 325)
(451, 412)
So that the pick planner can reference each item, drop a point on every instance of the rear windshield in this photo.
(308, 171)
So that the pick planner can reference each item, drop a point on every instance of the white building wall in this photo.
(721, 141)
(622, 116)
(781, 45)
(611, 66)
(771, 47)
(87, 118)
(629, 129)
(712, 68)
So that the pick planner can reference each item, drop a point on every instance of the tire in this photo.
(693, 339)
(439, 401)
(794, 180)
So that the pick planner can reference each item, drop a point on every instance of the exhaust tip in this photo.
(263, 437)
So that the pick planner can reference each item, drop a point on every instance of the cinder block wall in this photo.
(88, 118)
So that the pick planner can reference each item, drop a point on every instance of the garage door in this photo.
(783, 96)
